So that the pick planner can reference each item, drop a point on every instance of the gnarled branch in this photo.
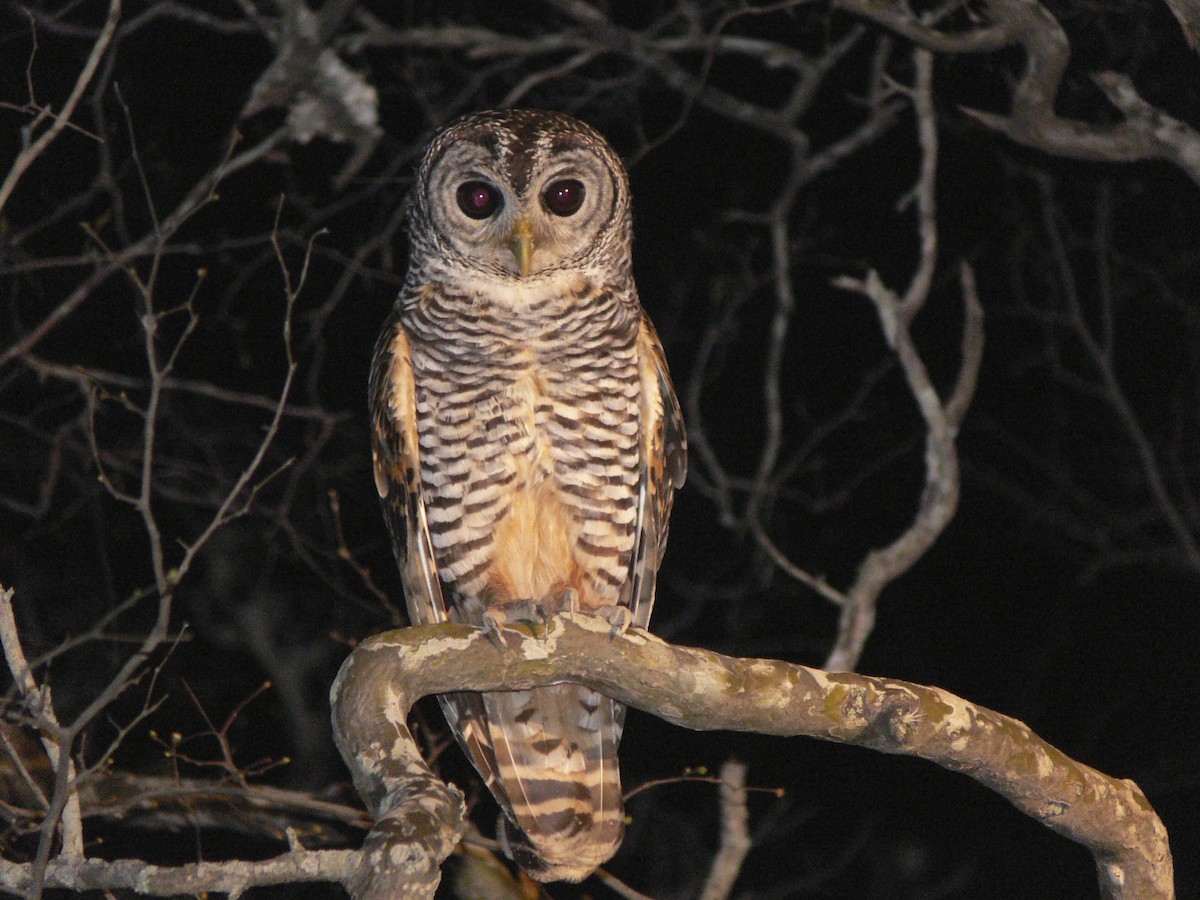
(1146, 132)
(421, 820)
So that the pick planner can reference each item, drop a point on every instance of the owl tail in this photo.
(557, 777)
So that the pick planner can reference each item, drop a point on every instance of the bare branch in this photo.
(972, 348)
(87, 378)
(818, 584)
(1188, 14)
(735, 833)
(939, 499)
(620, 888)
(1147, 132)
(159, 363)
(420, 820)
(901, 20)
(174, 802)
(200, 194)
(702, 690)
(60, 120)
(41, 709)
(298, 865)
(1110, 389)
(322, 95)
(924, 191)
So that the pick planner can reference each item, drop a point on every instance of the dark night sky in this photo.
(1045, 599)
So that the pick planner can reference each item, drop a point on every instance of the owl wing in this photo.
(396, 453)
(398, 473)
(663, 470)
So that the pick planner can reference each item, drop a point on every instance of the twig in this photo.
(87, 377)
(1113, 394)
(41, 708)
(166, 575)
(939, 499)
(789, 568)
(620, 888)
(59, 121)
(149, 244)
(735, 833)
(781, 278)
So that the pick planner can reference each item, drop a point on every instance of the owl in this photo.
(527, 446)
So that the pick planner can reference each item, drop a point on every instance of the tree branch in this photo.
(59, 121)
(38, 702)
(297, 866)
(939, 499)
(1146, 133)
(420, 819)
(735, 834)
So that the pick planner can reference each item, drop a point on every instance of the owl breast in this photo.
(528, 424)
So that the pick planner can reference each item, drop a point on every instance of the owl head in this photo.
(520, 194)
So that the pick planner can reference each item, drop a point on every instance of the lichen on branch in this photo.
(702, 690)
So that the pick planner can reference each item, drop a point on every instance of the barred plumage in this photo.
(527, 446)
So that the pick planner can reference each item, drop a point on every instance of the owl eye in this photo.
(563, 198)
(478, 199)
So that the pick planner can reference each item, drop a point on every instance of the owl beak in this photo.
(522, 245)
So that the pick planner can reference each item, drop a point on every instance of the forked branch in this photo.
(1146, 132)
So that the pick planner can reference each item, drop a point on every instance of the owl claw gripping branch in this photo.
(527, 444)
(525, 616)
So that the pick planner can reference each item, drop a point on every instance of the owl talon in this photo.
(525, 617)
(619, 618)
(570, 600)
(493, 626)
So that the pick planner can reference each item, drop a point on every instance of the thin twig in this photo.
(1113, 393)
(59, 121)
(735, 833)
